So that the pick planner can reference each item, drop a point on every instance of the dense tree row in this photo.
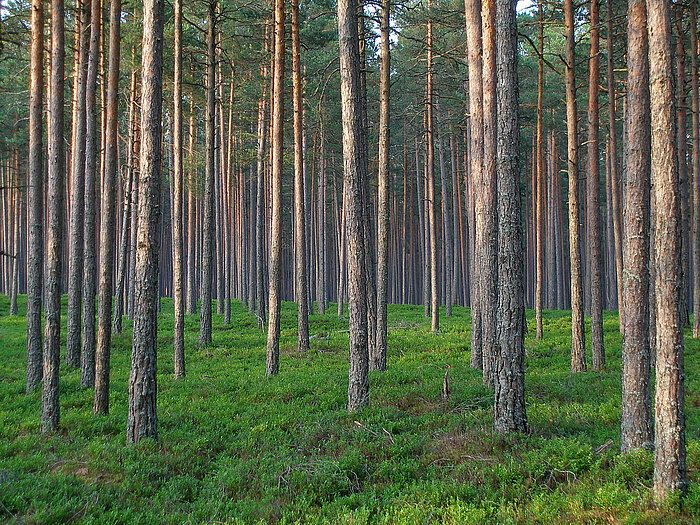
(422, 162)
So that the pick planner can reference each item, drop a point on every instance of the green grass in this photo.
(236, 447)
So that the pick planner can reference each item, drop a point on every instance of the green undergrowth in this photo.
(235, 447)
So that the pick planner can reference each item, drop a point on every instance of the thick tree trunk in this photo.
(178, 183)
(300, 214)
(142, 421)
(77, 203)
(378, 357)
(205, 285)
(35, 199)
(50, 413)
(578, 347)
(275, 268)
(636, 426)
(509, 373)
(107, 224)
(354, 170)
(670, 470)
(593, 192)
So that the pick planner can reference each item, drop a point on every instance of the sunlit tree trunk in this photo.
(636, 424)
(431, 199)
(670, 470)
(275, 266)
(539, 188)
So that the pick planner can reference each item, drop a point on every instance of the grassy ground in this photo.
(238, 448)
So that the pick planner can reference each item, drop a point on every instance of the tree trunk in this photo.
(259, 204)
(87, 371)
(593, 191)
(275, 268)
(178, 273)
(431, 199)
(472, 10)
(142, 421)
(50, 412)
(191, 224)
(614, 179)
(35, 199)
(636, 426)
(509, 373)
(696, 167)
(488, 195)
(77, 203)
(378, 357)
(300, 213)
(107, 224)
(205, 285)
(354, 170)
(578, 347)
(539, 188)
(670, 470)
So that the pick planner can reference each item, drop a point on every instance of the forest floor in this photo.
(236, 447)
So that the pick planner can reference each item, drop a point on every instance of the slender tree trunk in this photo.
(578, 348)
(447, 237)
(593, 203)
(432, 214)
(126, 232)
(300, 214)
(109, 211)
(670, 470)
(378, 357)
(489, 205)
(178, 273)
(636, 426)
(509, 373)
(35, 199)
(50, 412)
(472, 9)
(260, 205)
(695, 96)
(539, 189)
(614, 187)
(77, 202)
(205, 285)
(142, 421)
(682, 152)
(191, 224)
(354, 170)
(275, 268)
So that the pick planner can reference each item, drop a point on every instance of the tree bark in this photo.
(578, 347)
(472, 9)
(593, 192)
(509, 374)
(275, 267)
(300, 213)
(205, 285)
(77, 203)
(539, 189)
(431, 199)
(354, 170)
(636, 425)
(142, 421)
(378, 357)
(695, 97)
(178, 273)
(260, 204)
(670, 470)
(109, 212)
(35, 199)
(50, 412)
